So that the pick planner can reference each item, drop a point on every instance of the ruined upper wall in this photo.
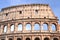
(27, 11)
(24, 5)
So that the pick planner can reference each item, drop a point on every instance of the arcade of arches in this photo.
(37, 38)
(28, 27)
(20, 26)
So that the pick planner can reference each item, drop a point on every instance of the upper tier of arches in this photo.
(20, 27)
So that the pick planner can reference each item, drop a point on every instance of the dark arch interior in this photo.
(37, 39)
(10, 38)
(27, 38)
(18, 38)
(46, 38)
(2, 39)
(55, 39)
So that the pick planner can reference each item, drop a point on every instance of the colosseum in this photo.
(29, 22)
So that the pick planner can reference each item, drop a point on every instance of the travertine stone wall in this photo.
(28, 13)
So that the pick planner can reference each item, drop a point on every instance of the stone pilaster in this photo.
(32, 38)
(32, 25)
(42, 37)
(49, 27)
(23, 28)
(9, 28)
(23, 38)
(41, 26)
(16, 27)
(57, 28)
(14, 38)
(2, 28)
(6, 38)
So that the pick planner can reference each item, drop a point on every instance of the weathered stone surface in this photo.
(32, 14)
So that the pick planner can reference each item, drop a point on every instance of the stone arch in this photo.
(46, 38)
(12, 27)
(20, 27)
(28, 26)
(19, 39)
(5, 28)
(45, 26)
(2, 39)
(55, 38)
(27, 38)
(37, 38)
(53, 27)
(36, 26)
(10, 39)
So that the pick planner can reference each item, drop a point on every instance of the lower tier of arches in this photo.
(29, 37)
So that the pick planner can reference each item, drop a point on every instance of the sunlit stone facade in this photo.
(29, 22)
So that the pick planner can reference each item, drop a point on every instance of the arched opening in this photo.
(19, 27)
(46, 38)
(5, 28)
(2, 39)
(37, 39)
(10, 39)
(36, 27)
(53, 27)
(18, 38)
(55, 39)
(27, 38)
(45, 27)
(28, 26)
(12, 28)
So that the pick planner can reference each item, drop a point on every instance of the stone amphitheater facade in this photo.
(26, 22)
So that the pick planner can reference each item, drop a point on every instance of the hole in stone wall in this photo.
(20, 12)
(6, 14)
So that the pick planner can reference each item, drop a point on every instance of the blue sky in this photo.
(54, 4)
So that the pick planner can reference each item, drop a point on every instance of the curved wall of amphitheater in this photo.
(29, 22)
